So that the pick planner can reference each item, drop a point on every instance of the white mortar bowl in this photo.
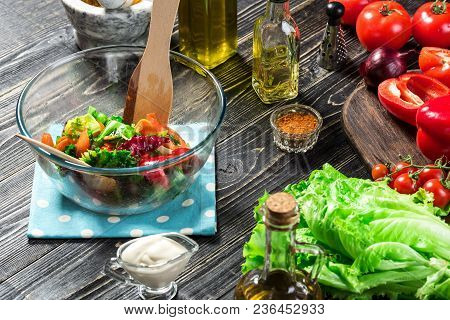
(96, 26)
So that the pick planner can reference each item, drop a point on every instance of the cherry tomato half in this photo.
(405, 184)
(441, 194)
(379, 171)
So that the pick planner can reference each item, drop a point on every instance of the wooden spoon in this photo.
(52, 150)
(151, 88)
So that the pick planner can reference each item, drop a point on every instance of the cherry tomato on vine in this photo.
(391, 184)
(441, 194)
(379, 171)
(401, 168)
(405, 184)
(383, 24)
(352, 10)
(428, 174)
(431, 24)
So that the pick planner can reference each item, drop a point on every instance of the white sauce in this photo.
(152, 257)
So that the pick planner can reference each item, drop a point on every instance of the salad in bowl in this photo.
(107, 142)
(104, 141)
(131, 168)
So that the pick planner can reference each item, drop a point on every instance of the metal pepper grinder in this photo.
(333, 50)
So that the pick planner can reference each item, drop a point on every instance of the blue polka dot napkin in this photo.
(53, 216)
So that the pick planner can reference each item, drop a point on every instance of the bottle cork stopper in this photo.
(281, 209)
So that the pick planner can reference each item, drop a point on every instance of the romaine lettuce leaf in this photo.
(379, 242)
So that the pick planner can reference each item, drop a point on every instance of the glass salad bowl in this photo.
(99, 77)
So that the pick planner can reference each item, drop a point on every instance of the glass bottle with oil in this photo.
(279, 279)
(208, 30)
(276, 54)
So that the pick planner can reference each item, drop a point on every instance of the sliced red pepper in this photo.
(433, 123)
(404, 95)
(435, 62)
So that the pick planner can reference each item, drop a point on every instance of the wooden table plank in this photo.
(248, 163)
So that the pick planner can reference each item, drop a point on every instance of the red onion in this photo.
(382, 64)
(140, 145)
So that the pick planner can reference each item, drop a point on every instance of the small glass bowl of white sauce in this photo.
(152, 264)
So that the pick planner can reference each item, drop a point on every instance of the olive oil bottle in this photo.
(276, 53)
(280, 280)
(208, 30)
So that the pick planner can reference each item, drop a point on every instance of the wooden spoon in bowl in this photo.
(52, 150)
(150, 89)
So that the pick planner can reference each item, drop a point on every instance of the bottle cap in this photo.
(281, 210)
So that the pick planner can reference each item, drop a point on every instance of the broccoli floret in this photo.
(71, 150)
(102, 158)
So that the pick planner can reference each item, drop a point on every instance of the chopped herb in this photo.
(174, 140)
(102, 158)
(70, 150)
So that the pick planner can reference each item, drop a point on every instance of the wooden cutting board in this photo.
(376, 134)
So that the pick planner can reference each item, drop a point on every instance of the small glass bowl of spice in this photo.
(295, 127)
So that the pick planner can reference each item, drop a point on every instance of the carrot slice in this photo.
(83, 143)
(47, 139)
(151, 117)
(63, 142)
(107, 146)
(181, 142)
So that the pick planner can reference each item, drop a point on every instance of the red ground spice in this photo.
(297, 123)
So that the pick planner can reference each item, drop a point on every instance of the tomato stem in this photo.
(439, 164)
(386, 11)
(439, 7)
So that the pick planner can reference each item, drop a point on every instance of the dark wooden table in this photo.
(36, 33)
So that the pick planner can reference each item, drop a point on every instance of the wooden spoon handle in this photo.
(151, 86)
(52, 150)
(164, 13)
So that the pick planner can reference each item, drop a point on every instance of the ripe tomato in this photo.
(383, 24)
(401, 168)
(431, 25)
(435, 62)
(179, 151)
(428, 174)
(352, 10)
(441, 194)
(379, 171)
(405, 184)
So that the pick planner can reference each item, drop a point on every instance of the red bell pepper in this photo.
(157, 176)
(404, 95)
(435, 62)
(433, 123)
